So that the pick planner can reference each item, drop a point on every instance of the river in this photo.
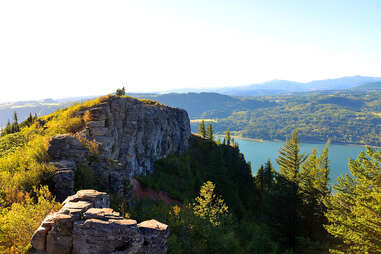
(258, 153)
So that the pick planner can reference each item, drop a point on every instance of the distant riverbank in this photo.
(305, 142)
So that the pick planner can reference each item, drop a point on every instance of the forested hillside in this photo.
(341, 116)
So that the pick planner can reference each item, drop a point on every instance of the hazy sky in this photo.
(73, 48)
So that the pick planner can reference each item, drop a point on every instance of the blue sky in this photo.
(77, 48)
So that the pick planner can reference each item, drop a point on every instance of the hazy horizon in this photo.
(179, 90)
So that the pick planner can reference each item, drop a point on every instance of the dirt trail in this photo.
(140, 192)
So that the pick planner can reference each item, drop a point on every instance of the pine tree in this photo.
(311, 196)
(268, 175)
(227, 137)
(289, 161)
(8, 129)
(201, 129)
(209, 132)
(15, 124)
(259, 179)
(354, 210)
(15, 118)
(324, 170)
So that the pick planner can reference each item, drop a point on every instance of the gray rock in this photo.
(97, 236)
(155, 236)
(85, 226)
(137, 134)
(67, 147)
(127, 131)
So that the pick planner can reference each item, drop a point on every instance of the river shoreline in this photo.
(303, 142)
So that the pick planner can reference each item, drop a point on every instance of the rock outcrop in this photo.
(131, 133)
(86, 225)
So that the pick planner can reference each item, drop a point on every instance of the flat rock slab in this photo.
(82, 228)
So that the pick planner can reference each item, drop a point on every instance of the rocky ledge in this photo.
(132, 133)
(86, 225)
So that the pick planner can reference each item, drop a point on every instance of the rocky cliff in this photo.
(121, 137)
(86, 225)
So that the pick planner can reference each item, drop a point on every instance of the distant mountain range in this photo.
(368, 86)
(275, 87)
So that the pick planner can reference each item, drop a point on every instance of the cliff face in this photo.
(135, 133)
(128, 135)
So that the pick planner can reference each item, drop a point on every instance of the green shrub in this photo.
(18, 222)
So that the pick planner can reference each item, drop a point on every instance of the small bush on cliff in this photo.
(120, 91)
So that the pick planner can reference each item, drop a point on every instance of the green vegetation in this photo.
(292, 211)
(346, 116)
(19, 221)
(24, 168)
(219, 206)
(354, 212)
(120, 91)
(341, 117)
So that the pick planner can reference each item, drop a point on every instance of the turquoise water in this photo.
(259, 152)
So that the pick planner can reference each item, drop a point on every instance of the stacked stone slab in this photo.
(86, 225)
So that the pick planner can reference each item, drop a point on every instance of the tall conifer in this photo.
(201, 129)
(228, 137)
(289, 161)
(209, 132)
(290, 158)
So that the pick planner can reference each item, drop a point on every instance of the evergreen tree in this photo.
(311, 196)
(354, 211)
(15, 124)
(259, 179)
(289, 161)
(269, 174)
(15, 118)
(227, 137)
(324, 170)
(201, 129)
(209, 132)
(8, 129)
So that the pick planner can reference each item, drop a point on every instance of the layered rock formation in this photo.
(131, 133)
(85, 225)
